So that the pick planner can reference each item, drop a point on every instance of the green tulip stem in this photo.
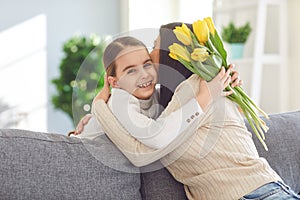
(241, 91)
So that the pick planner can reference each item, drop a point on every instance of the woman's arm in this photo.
(134, 150)
(138, 153)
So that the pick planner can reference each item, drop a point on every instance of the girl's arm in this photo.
(92, 129)
(155, 133)
(158, 133)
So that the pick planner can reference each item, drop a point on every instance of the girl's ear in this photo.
(113, 81)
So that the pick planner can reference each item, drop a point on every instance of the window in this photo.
(23, 80)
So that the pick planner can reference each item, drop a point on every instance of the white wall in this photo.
(63, 19)
(161, 12)
(294, 54)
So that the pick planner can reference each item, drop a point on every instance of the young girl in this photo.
(219, 161)
(134, 99)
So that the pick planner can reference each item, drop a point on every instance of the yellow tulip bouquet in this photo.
(202, 52)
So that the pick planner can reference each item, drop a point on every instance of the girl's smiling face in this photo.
(135, 72)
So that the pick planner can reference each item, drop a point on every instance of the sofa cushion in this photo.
(51, 166)
(160, 184)
(283, 141)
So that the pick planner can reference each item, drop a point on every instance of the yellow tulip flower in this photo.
(179, 51)
(210, 25)
(199, 54)
(183, 34)
(173, 56)
(201, 31)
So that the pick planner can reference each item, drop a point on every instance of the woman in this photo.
(219, 161)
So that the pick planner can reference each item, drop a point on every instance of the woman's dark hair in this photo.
(171, 72)
(112, 51)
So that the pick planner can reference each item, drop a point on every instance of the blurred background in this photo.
(39, 39)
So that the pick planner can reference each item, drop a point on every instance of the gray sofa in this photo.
(52, 166)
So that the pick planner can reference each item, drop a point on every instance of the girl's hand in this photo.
(104, 93)
(80, 126)
(235, 79)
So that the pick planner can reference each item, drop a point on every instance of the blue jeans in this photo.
(272, 191)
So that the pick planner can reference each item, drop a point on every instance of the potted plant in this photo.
(81, 75)
(236, 37)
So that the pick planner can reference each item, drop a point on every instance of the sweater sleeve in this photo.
(155, 133)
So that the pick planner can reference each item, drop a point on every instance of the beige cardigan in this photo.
(218, 161)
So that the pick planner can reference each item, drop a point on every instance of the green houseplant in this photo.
(236, 37)
(81, 75)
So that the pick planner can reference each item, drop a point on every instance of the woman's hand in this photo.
(104, 93)
(214, 89)
(235, 79)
